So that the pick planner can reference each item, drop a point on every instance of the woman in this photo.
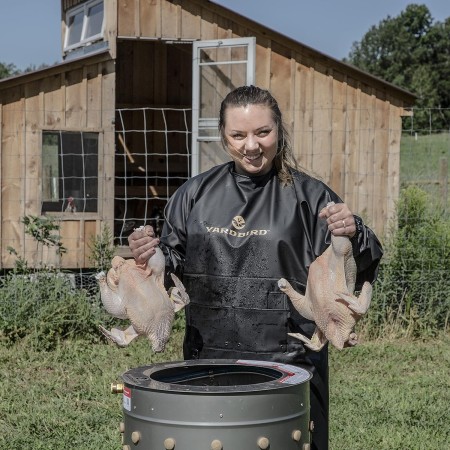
(235, 230)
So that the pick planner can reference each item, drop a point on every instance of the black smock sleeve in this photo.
(174, 232)
(367, 251)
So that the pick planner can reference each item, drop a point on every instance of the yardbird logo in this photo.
(238, 223)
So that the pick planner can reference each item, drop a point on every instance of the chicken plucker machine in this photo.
(215, 404)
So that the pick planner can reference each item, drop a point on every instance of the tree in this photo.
(8, 70)
(33, 67)
(411, 52)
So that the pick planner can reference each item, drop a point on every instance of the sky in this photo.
(30, 30)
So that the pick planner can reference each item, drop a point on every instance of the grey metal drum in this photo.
(216, 404)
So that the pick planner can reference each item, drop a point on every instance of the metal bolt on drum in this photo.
(216, 404)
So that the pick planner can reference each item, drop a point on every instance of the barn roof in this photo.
(63, 66)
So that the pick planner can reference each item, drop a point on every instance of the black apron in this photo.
(234, 237)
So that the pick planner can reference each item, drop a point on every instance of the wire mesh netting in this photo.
(152, 161)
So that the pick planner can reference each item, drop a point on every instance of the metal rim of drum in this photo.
(180, 376)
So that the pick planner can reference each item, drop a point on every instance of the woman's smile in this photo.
(253, 157)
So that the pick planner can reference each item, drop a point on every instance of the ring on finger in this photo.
(343, 223)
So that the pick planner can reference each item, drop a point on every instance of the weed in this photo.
(412, 294)
(102, 249)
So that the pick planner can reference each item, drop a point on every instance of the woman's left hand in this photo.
(340, 219)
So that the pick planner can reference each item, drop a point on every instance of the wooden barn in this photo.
(109, 134)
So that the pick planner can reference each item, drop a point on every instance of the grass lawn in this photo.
(421, 155)
(391, 395)
(384, 395)
(422, 160)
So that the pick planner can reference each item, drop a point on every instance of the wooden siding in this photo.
(345, 124)
(13, 171)
(68, 4)
(74, 99)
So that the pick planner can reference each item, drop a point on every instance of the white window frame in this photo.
(84, 8)
(213, 122)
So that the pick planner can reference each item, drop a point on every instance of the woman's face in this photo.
(252, 137)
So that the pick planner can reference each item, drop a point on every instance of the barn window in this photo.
(69, 171)
(84, 24)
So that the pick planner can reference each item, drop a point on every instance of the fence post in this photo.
(443, 181)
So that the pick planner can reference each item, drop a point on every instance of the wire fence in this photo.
(425, 156)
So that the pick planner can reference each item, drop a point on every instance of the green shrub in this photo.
(46, 308)
(43, 305)
(41, 228)
(102, 249)
(412, 294)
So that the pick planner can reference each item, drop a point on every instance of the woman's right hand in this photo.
(143, 243)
